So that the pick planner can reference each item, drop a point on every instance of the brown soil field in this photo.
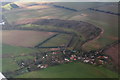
(24, 38)
(113, 38)
(26, 21)
(114, 53)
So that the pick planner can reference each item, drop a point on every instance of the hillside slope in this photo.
(10, 6)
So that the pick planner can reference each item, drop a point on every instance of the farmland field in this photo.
(113, 8)
(71, 70)
(12, 65)
(114, 53)
(20, 14)
(80, 6)
(15, 50)
(30, 38)
(60, 40)
(8, 52)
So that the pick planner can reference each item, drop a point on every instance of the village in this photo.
(57, 57)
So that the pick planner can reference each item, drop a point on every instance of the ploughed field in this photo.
(113, 51)
(24, 38)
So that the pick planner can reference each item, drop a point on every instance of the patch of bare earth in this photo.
(113, 37)
(37, 7)
(26, 21)
(31, 20)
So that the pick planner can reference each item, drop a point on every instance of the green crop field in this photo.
(112, 8)
(8, 64)
(15, 50)
(60, 40)
(79, 5)
(8, 51)
(71, 70)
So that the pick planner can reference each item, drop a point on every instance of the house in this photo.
(86, 61)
